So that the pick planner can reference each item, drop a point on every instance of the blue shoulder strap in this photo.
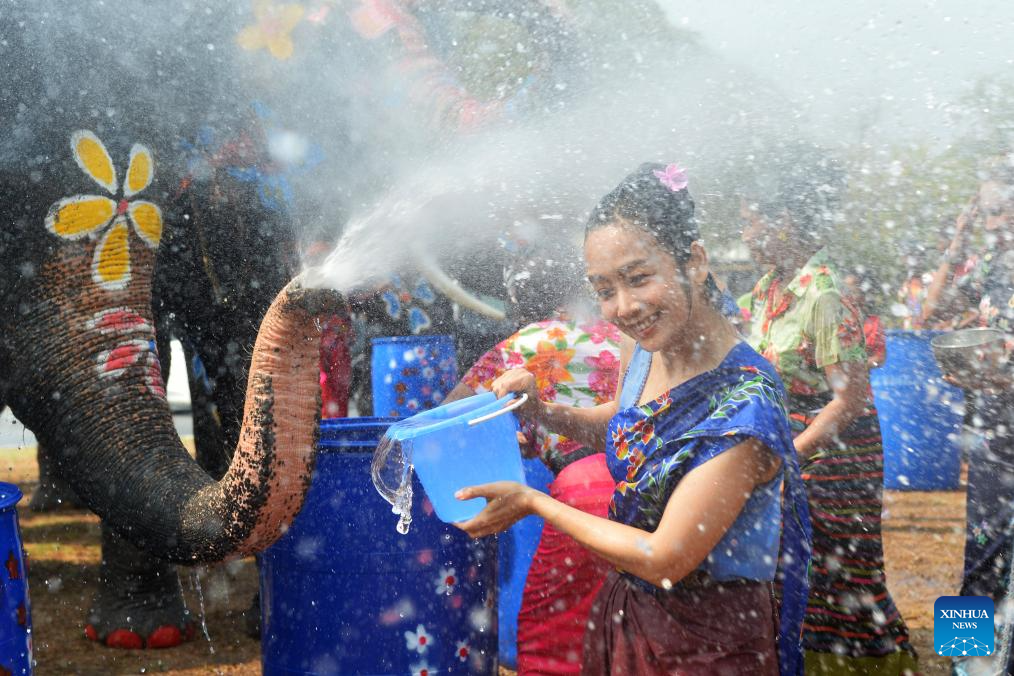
(634, 378)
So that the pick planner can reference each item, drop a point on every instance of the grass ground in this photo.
(923, 539)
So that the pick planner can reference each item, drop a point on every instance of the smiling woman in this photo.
(700, 447)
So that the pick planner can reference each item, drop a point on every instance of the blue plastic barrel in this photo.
(343, 593)
(411, 373)
(15, 609)
(517, 548)
(920, 416)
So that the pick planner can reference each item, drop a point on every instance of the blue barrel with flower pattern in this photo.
(15, 609)
(411, 373)
(343, 593)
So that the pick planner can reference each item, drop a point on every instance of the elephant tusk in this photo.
(453, 290)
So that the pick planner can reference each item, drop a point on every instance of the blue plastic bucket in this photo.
(15, 609)
(920, 416)
(465, 443)
(411, 373)
(343, 593)
(517, 549)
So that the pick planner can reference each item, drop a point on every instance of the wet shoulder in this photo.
(751, 366)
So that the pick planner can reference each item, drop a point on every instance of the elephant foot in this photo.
(139, 623)
(163, 637)
(139, 603)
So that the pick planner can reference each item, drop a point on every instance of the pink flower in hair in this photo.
(674, 177)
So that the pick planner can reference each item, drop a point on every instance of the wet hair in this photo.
(643, 201)
(803, 181)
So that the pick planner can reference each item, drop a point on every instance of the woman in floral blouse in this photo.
(698, 441)
(574, 363)
(808, 328)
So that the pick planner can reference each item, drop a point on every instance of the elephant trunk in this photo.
(88, 361)
(270, 473)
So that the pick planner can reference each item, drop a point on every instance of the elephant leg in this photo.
(53, 492)
(252, 615)
(139, 603)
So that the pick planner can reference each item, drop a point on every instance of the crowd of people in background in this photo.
(718, 474)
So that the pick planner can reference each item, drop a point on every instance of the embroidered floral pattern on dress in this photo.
(652, 467)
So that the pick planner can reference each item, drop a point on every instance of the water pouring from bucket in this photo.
(467, 442)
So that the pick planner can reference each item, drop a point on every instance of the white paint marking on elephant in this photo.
(119, 320)
(136, 349)
(113, 363)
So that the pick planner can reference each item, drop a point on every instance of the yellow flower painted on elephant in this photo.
(87, 215)
(271, 29)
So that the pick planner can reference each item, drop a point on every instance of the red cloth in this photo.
(876, 343)
(564, 577)
(335, 368)
(707, 630)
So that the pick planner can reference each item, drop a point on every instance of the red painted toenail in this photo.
(90, 633)
(124, 638)
(165, 637)
(191, 630)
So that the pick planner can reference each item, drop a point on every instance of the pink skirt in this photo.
(564, 577)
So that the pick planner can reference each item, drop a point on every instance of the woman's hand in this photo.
(962, 228)
(508, 503)
(520, 381)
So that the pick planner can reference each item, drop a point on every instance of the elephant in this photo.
(124, 224)
(116, 235)
(77, 345)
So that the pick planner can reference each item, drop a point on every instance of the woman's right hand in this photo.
(519, 381)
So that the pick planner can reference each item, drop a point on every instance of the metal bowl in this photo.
(966, 352)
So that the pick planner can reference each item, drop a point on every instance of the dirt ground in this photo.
(923, 534)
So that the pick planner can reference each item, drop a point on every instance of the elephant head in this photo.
(77, 345)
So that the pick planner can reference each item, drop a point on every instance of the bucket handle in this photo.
(509, 407)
